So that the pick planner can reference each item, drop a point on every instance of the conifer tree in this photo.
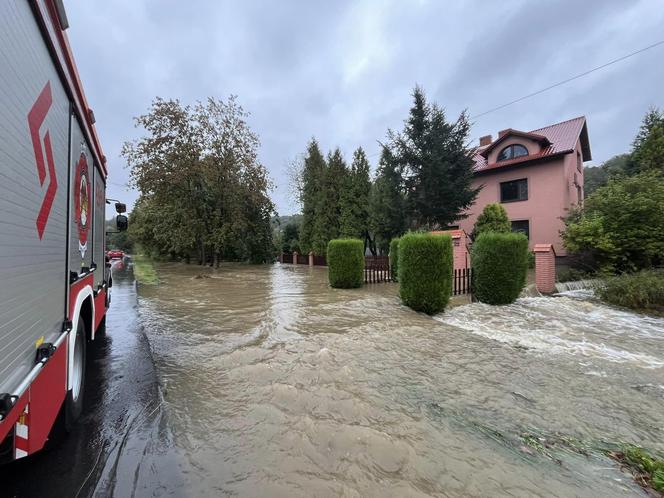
(313, 176)
(387, 203)
(435, 165)
(648, 146)
(327, 213)
(354, 212)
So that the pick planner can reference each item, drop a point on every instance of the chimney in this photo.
(501, 133)
(485, 140)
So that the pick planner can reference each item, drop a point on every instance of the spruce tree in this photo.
(387, 203)
(328, 207)
(354, 209)
(435, 164)
(648, 146)
(313, 176)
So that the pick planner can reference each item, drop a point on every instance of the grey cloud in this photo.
(343, 71)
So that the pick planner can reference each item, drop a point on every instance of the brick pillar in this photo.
(545, 268)
(311, 258)
(294, 257)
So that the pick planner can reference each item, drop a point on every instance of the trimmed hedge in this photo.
(394, 258)
(345, 263)
(425, 271)
(500, 267)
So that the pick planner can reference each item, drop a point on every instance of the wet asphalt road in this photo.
(121, 445)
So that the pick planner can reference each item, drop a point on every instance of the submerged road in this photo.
(121, 445)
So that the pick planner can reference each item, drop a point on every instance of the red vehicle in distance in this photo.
(115, 254)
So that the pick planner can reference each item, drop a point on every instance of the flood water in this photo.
(276, 385)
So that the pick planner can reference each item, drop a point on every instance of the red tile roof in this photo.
(562, 137)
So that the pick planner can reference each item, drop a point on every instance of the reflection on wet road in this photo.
(121, 446)
(279, 386)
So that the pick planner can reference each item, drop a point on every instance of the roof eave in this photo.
(527, 162)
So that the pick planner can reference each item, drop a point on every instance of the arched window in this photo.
(512, 152)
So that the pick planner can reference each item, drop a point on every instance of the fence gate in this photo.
(462, 281)
(377, 269)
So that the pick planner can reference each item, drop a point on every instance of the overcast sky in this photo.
(343, 71)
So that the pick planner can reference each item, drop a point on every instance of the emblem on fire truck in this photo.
(82, 205)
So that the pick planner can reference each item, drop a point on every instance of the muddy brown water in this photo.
(277, 385)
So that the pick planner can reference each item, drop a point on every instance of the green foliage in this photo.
(622, 224)
(387, 216)
(354, 199)
(500, 265)
(493, 218)
(435, 164)
(598, 176)
(345, 263)
(648, 146)
(531, 260)
(290, 238)
(313, 179)
(643, 290)
(425, 271)
(648, 468)
(328, 210)
(203, 192)
(394, 258)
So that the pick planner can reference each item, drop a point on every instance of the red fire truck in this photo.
(54, 282)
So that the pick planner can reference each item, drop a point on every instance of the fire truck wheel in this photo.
(74, 404)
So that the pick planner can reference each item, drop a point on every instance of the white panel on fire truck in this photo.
(34, 143)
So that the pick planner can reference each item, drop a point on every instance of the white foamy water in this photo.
(566, 325)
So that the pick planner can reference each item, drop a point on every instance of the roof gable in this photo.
(540, 139)
(561, 137)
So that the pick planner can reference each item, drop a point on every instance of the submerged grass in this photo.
(646, 469)
(144, 271)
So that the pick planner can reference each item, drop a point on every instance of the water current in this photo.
(277, 385)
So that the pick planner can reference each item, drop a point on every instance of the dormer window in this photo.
(512, 152)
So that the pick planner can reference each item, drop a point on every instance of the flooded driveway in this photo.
(276, 385)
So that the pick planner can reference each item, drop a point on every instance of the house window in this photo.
(512, 152)
(579, 162)
(521, 226)
(516, 190)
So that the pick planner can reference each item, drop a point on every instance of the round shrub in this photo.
(345, 263)
(493, 218)
(394, 258)
(500, 266)
(425, 271)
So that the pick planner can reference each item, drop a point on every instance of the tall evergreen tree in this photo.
(435, 164)
(387, 218)
(327, 215)
(313, 176)
(648, 146)
(354, 200)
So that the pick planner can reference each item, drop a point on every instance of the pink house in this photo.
(536, 175)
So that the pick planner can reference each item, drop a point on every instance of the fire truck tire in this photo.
(74, 400)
